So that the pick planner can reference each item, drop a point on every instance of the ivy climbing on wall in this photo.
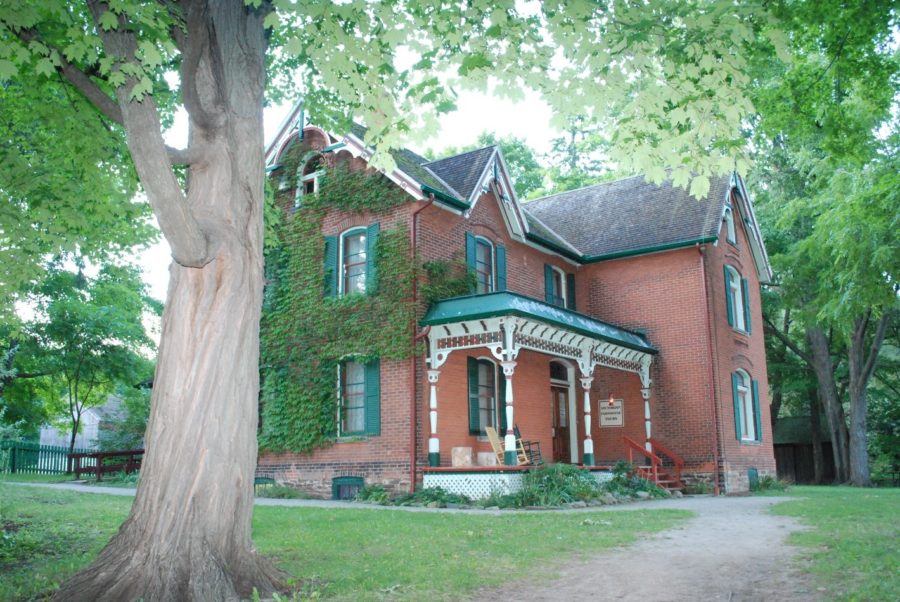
(304, 334)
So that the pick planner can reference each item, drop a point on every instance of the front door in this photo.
(560, 407)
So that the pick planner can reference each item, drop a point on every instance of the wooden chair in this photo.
(497, 445)
(530, 449)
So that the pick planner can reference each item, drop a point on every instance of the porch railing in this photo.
(677, 461)
(651, 472)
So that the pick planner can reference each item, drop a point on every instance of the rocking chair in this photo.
(531, 449)
(497, 446)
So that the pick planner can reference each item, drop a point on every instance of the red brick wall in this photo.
(734, 350)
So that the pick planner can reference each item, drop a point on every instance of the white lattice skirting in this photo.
(478, 486)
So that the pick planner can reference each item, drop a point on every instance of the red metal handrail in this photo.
(655, 462)
(677, 460)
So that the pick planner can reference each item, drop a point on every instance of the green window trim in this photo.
(728, 298)
(331, 267)
(497, 269)
(570, 292)
(755, 413)
(371, 399)
(745, 294)
(498, 410)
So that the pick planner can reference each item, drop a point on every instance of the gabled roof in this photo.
(479, 307)
(464, 171)
(632, 216)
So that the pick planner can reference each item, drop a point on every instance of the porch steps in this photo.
(663, 479)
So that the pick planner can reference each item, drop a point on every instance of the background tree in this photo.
(92, 334)
(578, 159)
(671, 59)
(828, 165)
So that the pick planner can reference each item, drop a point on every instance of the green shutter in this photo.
(548, 284)
(470, 252)
(501, 401)
(331, 266)
(728, 303)
(756, 410)
(745, 293)
(501, 268)
(737, 405)
(570, 291)
(373, 397)
(371, 273)
(474, 426)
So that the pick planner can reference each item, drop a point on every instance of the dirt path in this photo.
(734, 550)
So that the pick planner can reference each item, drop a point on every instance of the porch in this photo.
(479, 482)
(525, 363)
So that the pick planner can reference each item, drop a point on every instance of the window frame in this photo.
(494, 410)
(342, 267)
(342, 397)
(748, 417)
(303, 176)
(561, 300)
(492, 274)
(740, 306)
(730, 228)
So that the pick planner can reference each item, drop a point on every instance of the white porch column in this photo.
(588, 458)
(509, 443)
(434, 445)
(645, 393)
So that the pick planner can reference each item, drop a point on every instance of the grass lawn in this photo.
(855, 541)
(359, 554)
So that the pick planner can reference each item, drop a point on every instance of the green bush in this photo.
(769, 483)
(626, 482)
(556, 484)
(430, 495)
(281, 492)
(373, 494)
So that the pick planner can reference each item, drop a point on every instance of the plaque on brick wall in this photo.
(612, 415)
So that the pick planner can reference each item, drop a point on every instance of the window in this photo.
(729, 225)
(353, 398)
(484, 266)
(737, 300)
(359, 398)
(556, 287)
(308, 179)
(353, 262)
(487, 262)
(350, 262)
(487, 399)
(745, 393)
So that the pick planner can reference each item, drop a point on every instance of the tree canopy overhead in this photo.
(674, 72)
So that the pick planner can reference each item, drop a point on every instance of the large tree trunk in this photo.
(188, 535)
(815, 430)
(862, 365)
(834, 410)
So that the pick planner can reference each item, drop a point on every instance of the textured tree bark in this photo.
(188, 535)
(828, 394)
(815, 428)
(862, 364)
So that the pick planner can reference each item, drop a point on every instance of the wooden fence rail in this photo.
(24, 457)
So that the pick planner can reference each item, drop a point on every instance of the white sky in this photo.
(476, 113)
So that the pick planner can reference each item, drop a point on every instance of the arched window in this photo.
(484, 265)
(729, 225)
(308, 178)
(737, 300)
(745, 393)
(353, 262)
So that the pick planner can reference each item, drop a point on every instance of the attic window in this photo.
(308, 178)
(729, 225)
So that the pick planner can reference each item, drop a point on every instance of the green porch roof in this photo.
(491, 305)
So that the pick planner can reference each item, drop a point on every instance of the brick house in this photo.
(618, 321)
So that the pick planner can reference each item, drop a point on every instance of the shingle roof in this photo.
(463, 171)
(631, 215)
(410, 163)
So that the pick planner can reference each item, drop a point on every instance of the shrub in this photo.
(556, 484)
(627, 483)
(430, 495)
(769, 483)
(373, 494)
(281, 492)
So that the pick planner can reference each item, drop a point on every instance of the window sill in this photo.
(352, 438)
(752, 442)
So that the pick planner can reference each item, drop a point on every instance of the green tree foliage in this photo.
(827, 186)
(126, 430)
(91, 332)
(577, 158)
(677, 67)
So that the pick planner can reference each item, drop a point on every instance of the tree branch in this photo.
(143, 131)
(875, 347)
(775, 331)
(80, 81)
